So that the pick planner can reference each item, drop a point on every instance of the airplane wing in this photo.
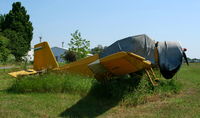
(120, 63)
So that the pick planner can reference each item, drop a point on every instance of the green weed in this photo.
(52, 82)
(126, 90)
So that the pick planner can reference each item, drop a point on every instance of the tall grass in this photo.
(145, 92)
(127, 90)
(52, 82)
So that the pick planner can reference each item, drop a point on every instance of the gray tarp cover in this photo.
(170, 53)
(141, 45)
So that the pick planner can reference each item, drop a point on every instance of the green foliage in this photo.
(18, 29)
(79, 45)
(2, 20)
(69, 56)
(4, 51)
(17, 46)
(144, 92)
(53, 82)
(98, 49)
(125, 90)
(171, 86)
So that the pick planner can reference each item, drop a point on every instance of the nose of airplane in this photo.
(170, 58)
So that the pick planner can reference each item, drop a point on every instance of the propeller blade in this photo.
(185, 57)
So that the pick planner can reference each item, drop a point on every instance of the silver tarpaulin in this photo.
(141, 45)
(170, 53)
(170, 58)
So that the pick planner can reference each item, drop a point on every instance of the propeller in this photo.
(184, 56)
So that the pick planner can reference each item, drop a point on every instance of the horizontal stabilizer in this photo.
(23, 72)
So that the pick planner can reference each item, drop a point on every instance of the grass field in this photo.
(47, 100)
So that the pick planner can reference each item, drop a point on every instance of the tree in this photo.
(17, 46)
(2, 19)
(4, 51)
(69, 56)
(98, 49)
(19, 30)
(79, 45)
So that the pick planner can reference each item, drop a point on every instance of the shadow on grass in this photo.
(89, 107)
(100, 99)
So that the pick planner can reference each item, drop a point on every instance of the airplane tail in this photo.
(43, 57)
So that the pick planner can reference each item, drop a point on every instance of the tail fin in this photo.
(43, 57)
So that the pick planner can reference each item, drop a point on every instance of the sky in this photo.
(106, 21)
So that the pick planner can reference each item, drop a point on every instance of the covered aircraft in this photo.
(124, 56)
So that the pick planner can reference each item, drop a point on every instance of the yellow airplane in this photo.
(123, 57)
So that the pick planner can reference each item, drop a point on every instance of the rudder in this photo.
(43, 57)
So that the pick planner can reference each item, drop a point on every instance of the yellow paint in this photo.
(80, 66)
(23, 72)
(43, 57)
(123, 63)
(43, 60)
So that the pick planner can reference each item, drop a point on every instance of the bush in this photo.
(69, 56)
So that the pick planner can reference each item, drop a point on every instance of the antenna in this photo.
(62, 44)
(40, 39)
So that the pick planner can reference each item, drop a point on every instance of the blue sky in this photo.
(105, 21)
